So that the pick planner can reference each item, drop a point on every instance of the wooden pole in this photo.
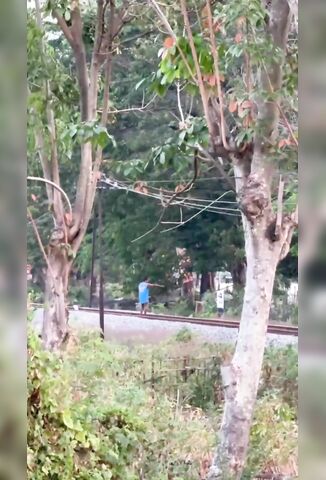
(101, 292)
(92, 285)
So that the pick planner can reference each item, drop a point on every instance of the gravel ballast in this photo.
(130, 329)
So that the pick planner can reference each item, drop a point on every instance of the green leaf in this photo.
(112, 139)
(161, 90)
(95, 441)
(182, 136)
(139, 84)
(112, 457)
(191, 89)
(67, 419)
(102, 139)
(240, 137)
(164, 80)
(128, 171)
(162, 158)
(73, 131)
(81, 436)
(170, 76)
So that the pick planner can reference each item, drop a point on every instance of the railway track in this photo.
(276, 328)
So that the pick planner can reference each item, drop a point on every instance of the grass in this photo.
(171, 435)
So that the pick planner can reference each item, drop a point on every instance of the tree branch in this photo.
(217, 74)
(64, 27)
(131, 109)
(295, 215)
(173, 35)
(108, 70)
(96, 56)
(152, 229)
(57, 203)
(293, 4)
(200, 81)
(81, 61)
(186, 188)
(222, 152)
(116, 21)
(272, 90)
(54, 166)
(86, 103)
(271, 81)
(179, 104)
(54, 185)
(287, 241)
(39, 241)
(99, 29)
(44, 163)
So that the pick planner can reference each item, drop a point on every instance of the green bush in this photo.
(273, 437)
(92, 414)
(69, 438)
(280, 372)
(90, 417)
(183, 307)
(160, 308)
(209, 305)
(184, 335)
(79, 294)
(114, 290)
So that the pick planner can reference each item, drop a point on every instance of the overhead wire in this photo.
(181, 180)
(187, 202)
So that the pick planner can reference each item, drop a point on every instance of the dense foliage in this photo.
(89, 411)
(150, 144)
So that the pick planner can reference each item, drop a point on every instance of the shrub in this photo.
(114, 290)
(280, 372)
(66, 438)
(209, 305)
(79, 294)
(184, 307)
(273, 438)
(184, 335)
(91, 416)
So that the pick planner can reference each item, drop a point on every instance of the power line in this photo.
(182, 180)
(187, 202)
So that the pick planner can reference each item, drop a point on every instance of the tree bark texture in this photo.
(55, 317)
(205, 283)
(71, 229)
(265, 246)
(241, 376)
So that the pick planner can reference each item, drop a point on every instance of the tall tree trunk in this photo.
(238, 272)
(241, 376)
(205, 283)
(55, 317)
(72, 228)
(267, 241)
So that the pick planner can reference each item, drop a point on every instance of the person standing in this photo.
(220, 302)
(143, 294)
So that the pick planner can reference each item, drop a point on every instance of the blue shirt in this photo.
(143, 292)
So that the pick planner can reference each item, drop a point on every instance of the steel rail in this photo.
(275, 328)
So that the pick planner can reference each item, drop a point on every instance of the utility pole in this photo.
(100, 248)
(92, 285)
